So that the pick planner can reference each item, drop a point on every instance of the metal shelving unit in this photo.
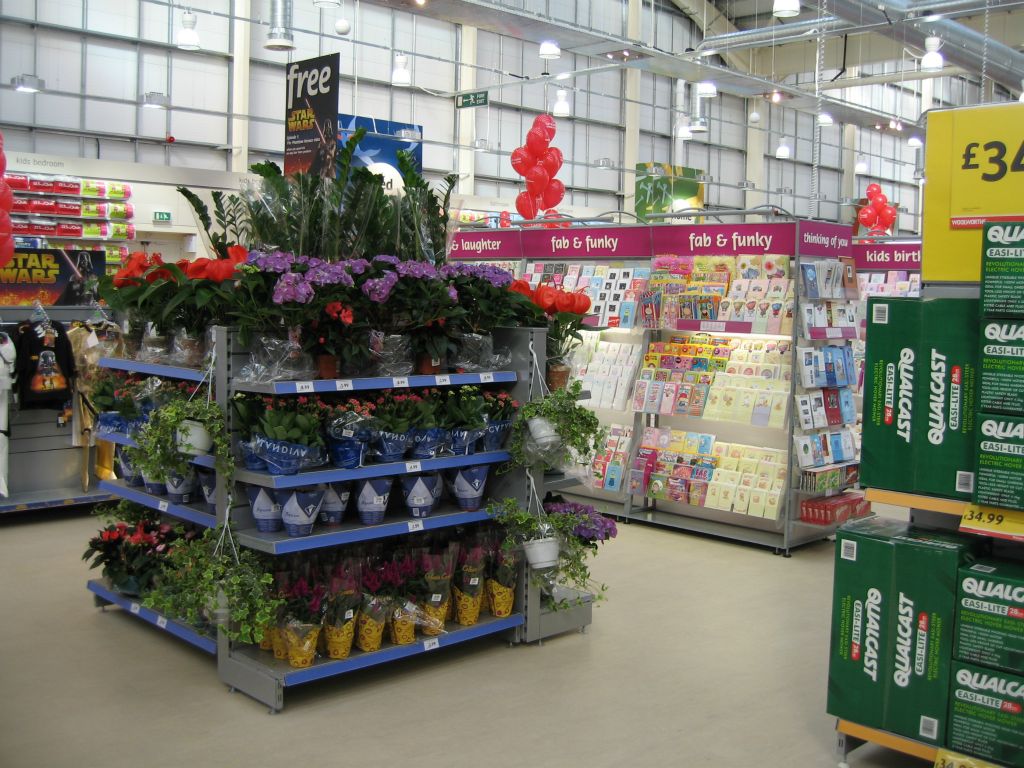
(160, 504)
(327, 386)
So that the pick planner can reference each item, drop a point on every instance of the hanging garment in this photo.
(8, 356)
(45, 365)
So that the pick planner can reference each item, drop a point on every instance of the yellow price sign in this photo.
(993, 521)
(974, 164)
(946, 759)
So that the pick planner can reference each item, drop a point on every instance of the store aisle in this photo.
(706, 654)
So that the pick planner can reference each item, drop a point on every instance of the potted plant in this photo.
(403, 610)
(374, 610)
(428, 434)
(300, 510)
(463, 414)
(338, 343)
(501, 584)
(343, 607)
(437, 569)
(529, 531)
(348, 427)
(555, 431)
(132, 556)
(305, 606)
(289, 436)
(248, 409)
(565, 312)
(468, 587)
(499, 408)
(420, 492)
(393, 419)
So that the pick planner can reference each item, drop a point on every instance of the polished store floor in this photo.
(706, 653)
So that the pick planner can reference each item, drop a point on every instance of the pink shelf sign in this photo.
(885, 256)
(714, 326)
(588, 243)
(487, 244)
(818, 238)
(723, 239)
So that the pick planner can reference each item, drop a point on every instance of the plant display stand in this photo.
(243, 667)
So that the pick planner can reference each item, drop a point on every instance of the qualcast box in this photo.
(986, 714)
(858, 669)
(1002, 268)
(944, 403)
(1000, 475)
(922, 613)
(890, 372)
(990, 615)
(1001, 374)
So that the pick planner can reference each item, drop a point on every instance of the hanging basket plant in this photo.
(556, 430)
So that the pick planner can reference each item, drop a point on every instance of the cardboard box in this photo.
(1002, 268)
(1000, 475)
(986, 714)
(1001, 371)
(990, 615)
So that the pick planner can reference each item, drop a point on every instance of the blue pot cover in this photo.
(372, 499)
(157, 488)
(134, 426)
(390, 446)
(335, 503)
(467, 486)
(299, 512)
(495, 434)
(463, 441)
(347, 452)
(427, 443)
(129, 473)
(266, 511)
(208, 485)
(284, 458)
(421, 492)
(249, 458)
(110, 421)
(181, 487)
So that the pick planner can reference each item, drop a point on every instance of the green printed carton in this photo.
(944, 429)
(862, 593)
(990, 615)
(1000, 461)
(890, 376)
(1001, 375)
(1002, 268)
(986, 714)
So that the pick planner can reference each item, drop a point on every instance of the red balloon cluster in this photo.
(878, 216)
(6, 205)
(538, 163)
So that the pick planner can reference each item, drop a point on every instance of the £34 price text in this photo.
(981, 516)
(993, 159)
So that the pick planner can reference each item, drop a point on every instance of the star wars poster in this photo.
(54, 277)
(311, 115)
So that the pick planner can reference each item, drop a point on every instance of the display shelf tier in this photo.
(170, 626)
(730, 431)
(139, 496)
(827, 467)
(827, 493)
(119, 438)
(153, 369)
(393, 469)
(51, 498)
(917, 501)
(288, 676)
(823, 334)
(280, 543)
(886, 739)
(374, 382)
(65, 217)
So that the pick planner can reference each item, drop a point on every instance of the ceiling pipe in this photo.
(777, 33)
(892, 77)
(960, 7)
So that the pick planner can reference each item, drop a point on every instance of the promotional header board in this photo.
(379, 149)
(54, 277)
(311, 115)
(884, 256)
(974, 168)
(724, 239)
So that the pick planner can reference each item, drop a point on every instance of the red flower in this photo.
(196, 270)
(237, 254)
(346, 316)
(220, 270)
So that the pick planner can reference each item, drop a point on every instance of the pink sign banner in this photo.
(723, 239)
(818, 238)
(588, 243)
(884, 256)
(487, 244)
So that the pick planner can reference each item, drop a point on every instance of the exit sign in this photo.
(475, 99)
(161, 217)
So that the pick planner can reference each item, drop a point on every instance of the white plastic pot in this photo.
(543, 432)
(194, 438)
(542, 553)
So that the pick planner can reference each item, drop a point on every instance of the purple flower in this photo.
(292, 287)
(278, 261)
(388, 259)
(357, 266)
(591, 526)
(453, 294)
(420, 270)
(378, 289)
(324, 273)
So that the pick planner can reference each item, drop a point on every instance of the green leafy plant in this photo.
(563, 336)
(463, 408)
(293, 420)
(580, 430)
(157, 453)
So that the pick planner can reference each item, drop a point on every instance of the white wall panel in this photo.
(110, 70)
(114, 17)
(17, 53)
(60, 62)
(199, 82)
(58, 111)
(152, 122)
(107, 117)
(56, 144)
(56, 11)
(156, 23)
(266, 136)
(16, 107)
(191, 126)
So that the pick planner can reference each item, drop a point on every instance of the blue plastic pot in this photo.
(467, 486)
(110, 421)
(129, 472)
(428, 443)
(155, 487)
(336, 496)
(495, 435)
(463, 441)
(208, 486)
(284, 458)
(421, 493)
(249, 458)
(347, 452)
(300, 511)
(180, 488)
(372, 497)
(390, 446)
(266, 511)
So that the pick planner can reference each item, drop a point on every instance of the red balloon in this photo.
(867, 216)
(537, 141)
(537, 180)
(3, 162)
(526, 205)
(2, 138)
(879, 201)
(554, 193)
(522, 160)
(504, 219)
(552, 161)
(887, 216)
(5, 224)
(546, 123)
(872, 190)
(6, 250)
(6, 197)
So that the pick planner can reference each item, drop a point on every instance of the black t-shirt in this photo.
(46, 365)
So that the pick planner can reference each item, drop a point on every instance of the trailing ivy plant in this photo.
(579, 429)
(157, 453)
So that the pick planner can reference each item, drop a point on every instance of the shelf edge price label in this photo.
(343, 385)
(993, 521)
(833, 333)
(413, 466)
(431, 644)
(163, 506)
(709, 325)
(400, 382)
(415, 525)
(303, 386)
(134, 608)
(486, 378)
(444, 380)
(161, 622)
(946, 759)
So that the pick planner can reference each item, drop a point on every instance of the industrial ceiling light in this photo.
(932, 60)
(825, 119)
(783, 152)
(409, 134)
(785, 9)
(682, 131)
(899, 125)
(604, 162)
(915, 142)
(279, 38)
(342, 26)
(481, 145)
(699, 125)
(420, 3)
(561, 108)
(28, 83)
(754, 117)
(155, 100)
(400, 75)
(327, 3)
(549, 50)
(775, 97)
(861, 167)
(188, 38)
(707, 90)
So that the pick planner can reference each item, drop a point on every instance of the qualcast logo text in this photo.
(1006, 234)
(987, 589)
(904, 635)
(979, 681)
(905, 404)
(1002, 430)
(1004, 333)
(871, 636)
(937, 400)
